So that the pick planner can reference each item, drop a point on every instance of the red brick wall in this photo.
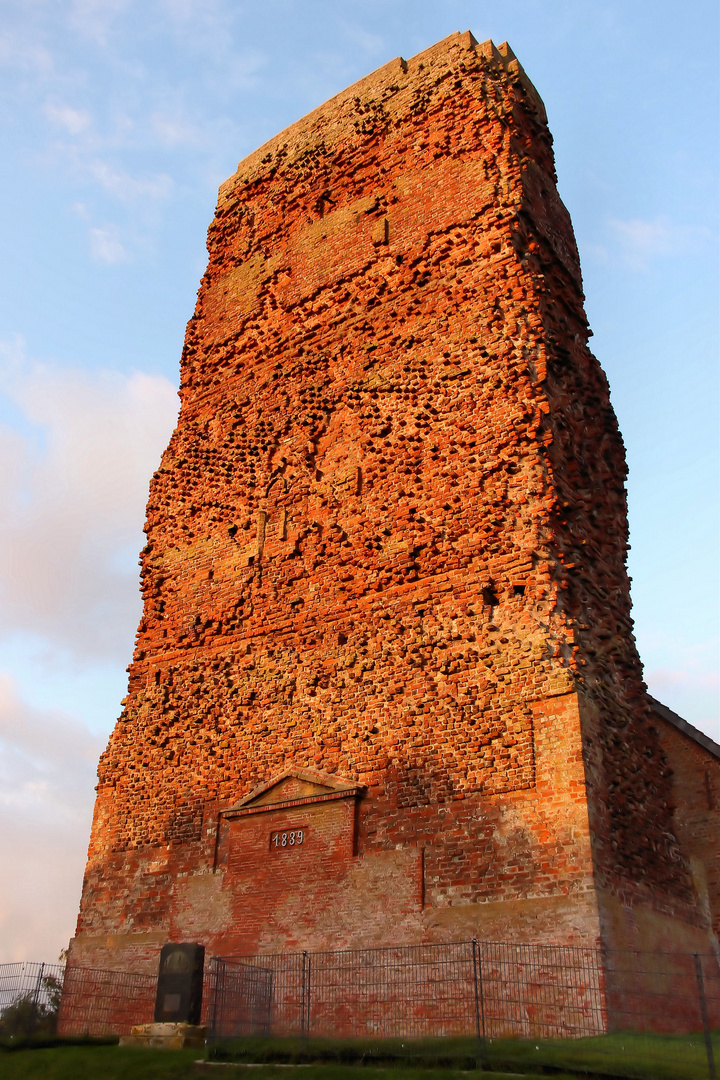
(696, 817)
(387, 540)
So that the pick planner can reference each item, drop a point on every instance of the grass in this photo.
(659, 1057)
(98, 1063)
(431, 1053)
(646, 1057)
(130, 1063)
(651, 1057)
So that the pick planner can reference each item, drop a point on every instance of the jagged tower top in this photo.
(331, 115)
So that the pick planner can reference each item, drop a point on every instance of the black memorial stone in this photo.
(180, 982)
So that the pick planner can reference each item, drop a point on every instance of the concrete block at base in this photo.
(165, 1036)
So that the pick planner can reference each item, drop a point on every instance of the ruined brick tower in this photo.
(385, 686)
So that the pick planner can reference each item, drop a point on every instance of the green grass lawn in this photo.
(650, 1057)
(646, 1057)
(98, 1063)
(129, 1063)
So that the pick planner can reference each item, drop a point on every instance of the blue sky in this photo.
(119, 119)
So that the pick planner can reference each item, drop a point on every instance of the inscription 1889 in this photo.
(287, 839)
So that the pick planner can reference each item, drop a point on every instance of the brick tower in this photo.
(385, 686)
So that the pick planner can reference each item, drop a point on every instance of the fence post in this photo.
(302, 1000)
(308, 984)
(703, 1011)
(267, 1028)
(479, 1003)
(33, 1016)
(216, 990)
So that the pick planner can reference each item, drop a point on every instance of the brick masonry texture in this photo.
(696, 804)
(385, 565)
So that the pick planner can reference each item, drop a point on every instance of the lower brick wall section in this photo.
(315, 867)
(309, 894)
(644, 910)
(643, 927)
(696, 794)
(415, 991)
(495, 989)
(369, 871)
(98, 1002)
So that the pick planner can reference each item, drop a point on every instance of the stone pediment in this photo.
(293, 787)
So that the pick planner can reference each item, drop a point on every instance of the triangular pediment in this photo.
(293, 786)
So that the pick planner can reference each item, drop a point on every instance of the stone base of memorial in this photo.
(165, 1036)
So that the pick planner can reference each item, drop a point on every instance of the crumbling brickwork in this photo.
(386, 548)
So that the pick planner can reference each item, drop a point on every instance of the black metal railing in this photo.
(484, 988)
(560, 1006)
(589, 1007)
(45, 999)
(97, 1002)
(29, 998)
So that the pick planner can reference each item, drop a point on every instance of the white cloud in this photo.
(21, 50)
(74, 121)
(105, 245)
(241, 70)
(641, 242)
(48, 763)
(128, 188)
(93, 19)
(76, 463)
(174, 129)
(372, 44)
(690, 685)
(74, 488)
(46, 750)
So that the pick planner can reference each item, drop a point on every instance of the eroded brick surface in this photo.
(387, 541)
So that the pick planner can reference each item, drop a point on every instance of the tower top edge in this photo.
(311, 124)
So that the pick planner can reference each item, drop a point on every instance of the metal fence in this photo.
(96, 1002)
(29, 997)
(565, 1006)
(488, 989)
(586, 1008)
(238, 998)
(43, 999)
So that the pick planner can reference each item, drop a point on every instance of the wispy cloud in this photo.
(105, 245)
(46, 748)
(242, 69)
(691, 685)
(74, 121)
(47, 767)
(76, 461)
(22, 51)
(93, 19)
(638, 243)
(121, 185)
(75, 484)
(120, 133)
(174, 129)
(372, 44)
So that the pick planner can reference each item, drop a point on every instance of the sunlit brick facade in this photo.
(386, 606)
